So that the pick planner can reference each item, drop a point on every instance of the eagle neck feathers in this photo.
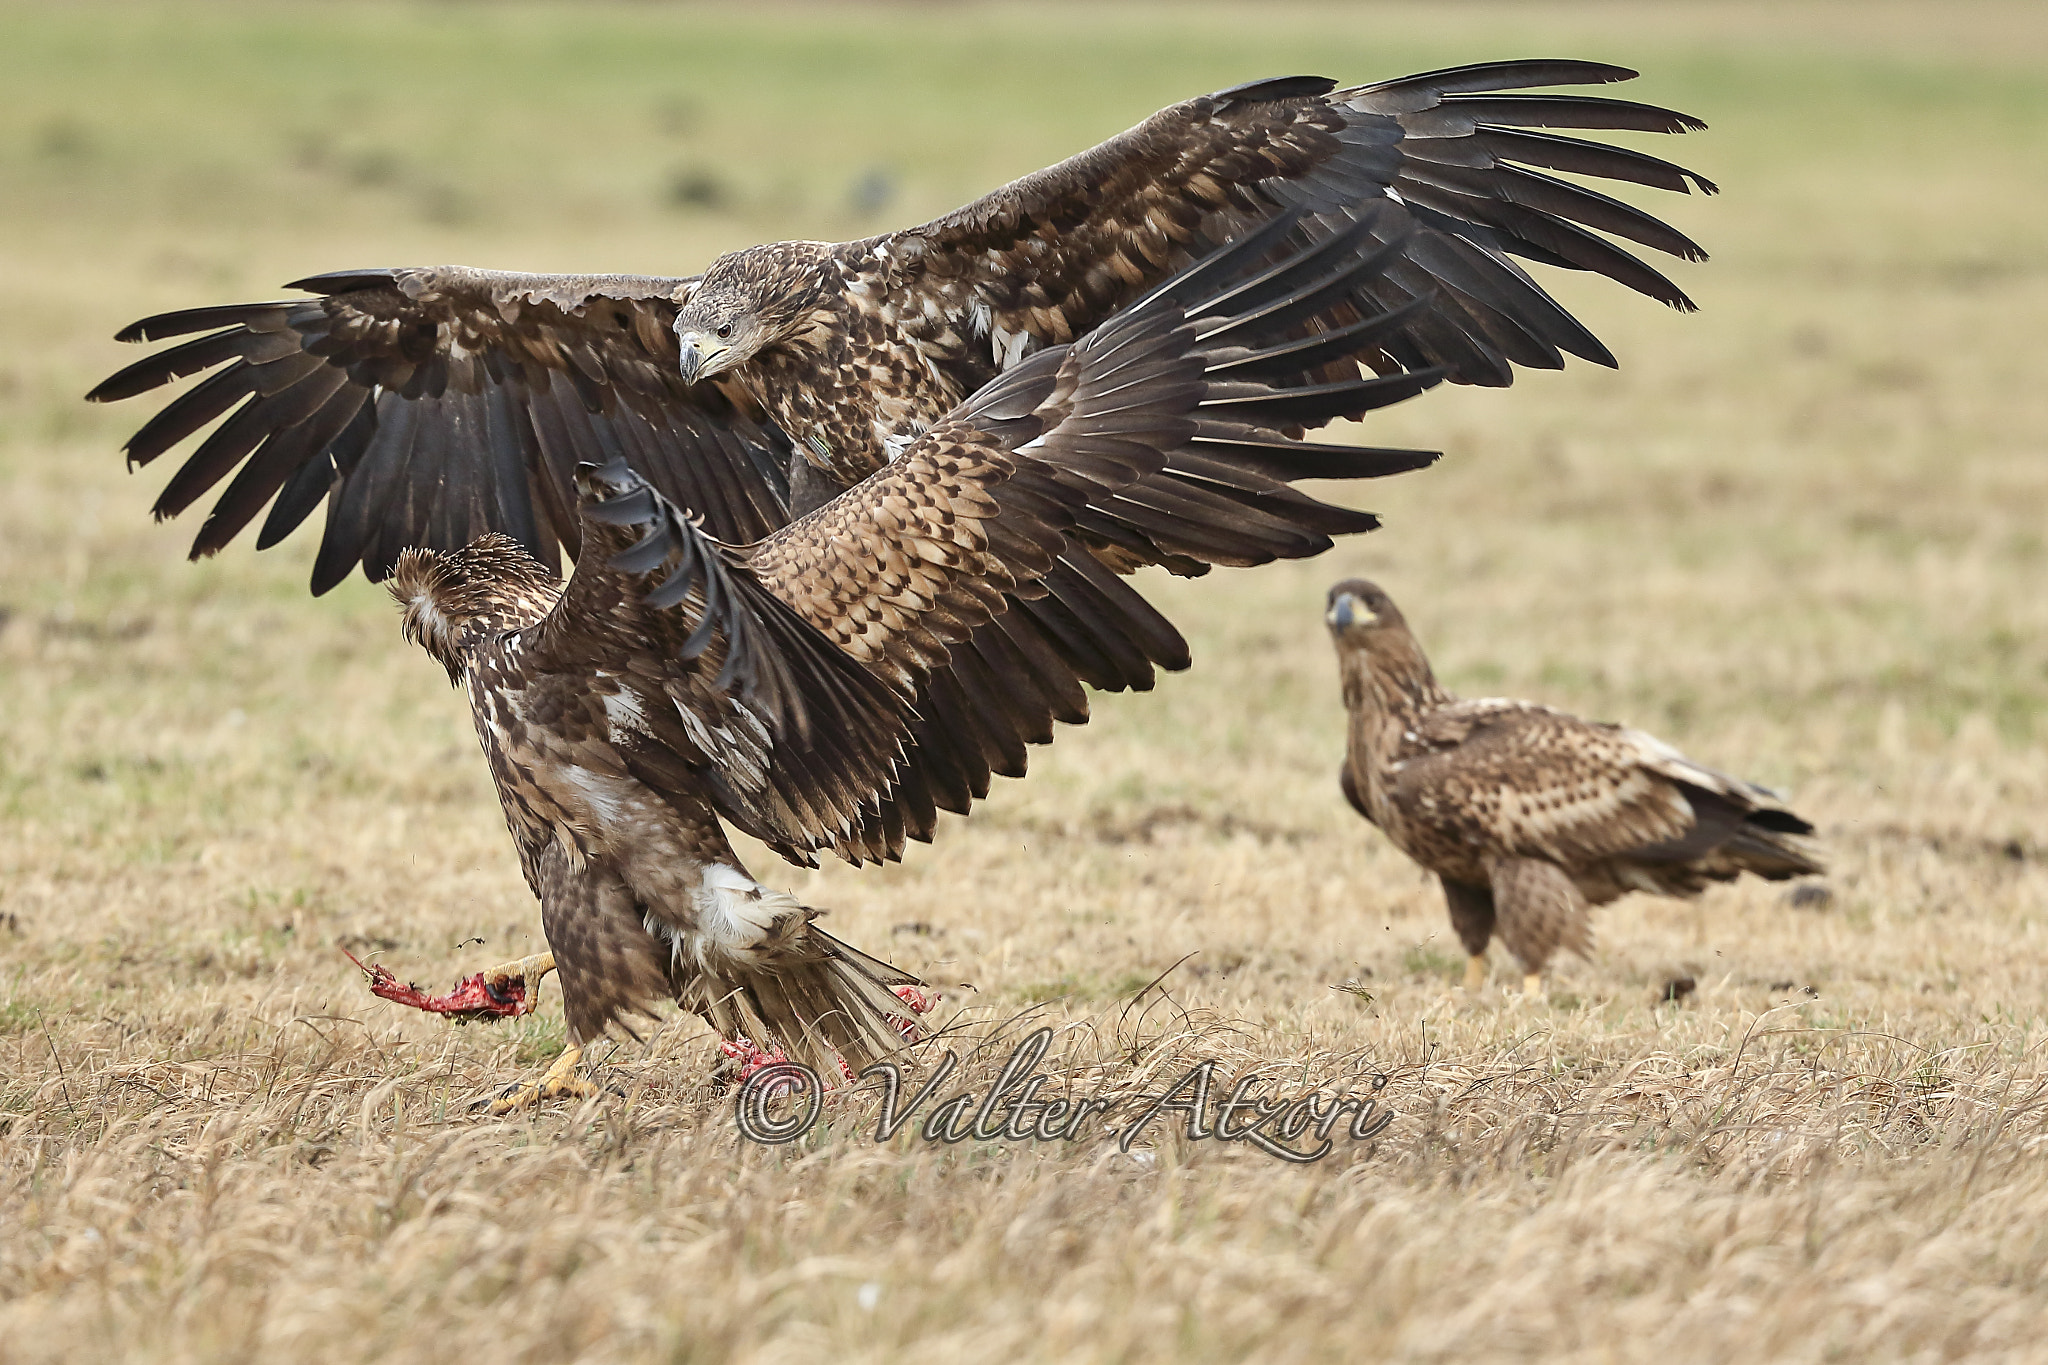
(1392, 682)
(857, 375)
(456, 600)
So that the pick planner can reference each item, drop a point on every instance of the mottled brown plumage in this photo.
(426, 406)
(613, 743)
(928, 571)
(676, 680)
(1529, 815)
(908, 323)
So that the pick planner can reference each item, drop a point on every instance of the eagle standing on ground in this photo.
(1529, 815)
(676, 680)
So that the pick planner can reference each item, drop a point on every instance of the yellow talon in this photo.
(1475, 973)
(527, 970)
(558, 1082)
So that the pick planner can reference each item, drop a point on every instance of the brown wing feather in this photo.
(429, 406)
(709, 682)
(914, 558)
(1522, 779)
(957, 570)
(1053, 253)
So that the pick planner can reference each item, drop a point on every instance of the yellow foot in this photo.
(560, 1081)
(527, 971)
(1475, 973)
(1532, 985)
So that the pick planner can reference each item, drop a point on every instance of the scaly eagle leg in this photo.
(559, 1081)
(1532, 985)
(1475, 973)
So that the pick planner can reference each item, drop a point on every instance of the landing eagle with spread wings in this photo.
(428, 406)
(1526, 814)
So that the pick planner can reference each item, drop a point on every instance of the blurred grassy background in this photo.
(1800, 534)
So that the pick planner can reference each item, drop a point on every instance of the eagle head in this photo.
(1378, 658)
(746, 302)
(455, 598)
(1358, 611)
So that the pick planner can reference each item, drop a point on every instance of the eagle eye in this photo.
(724, 330)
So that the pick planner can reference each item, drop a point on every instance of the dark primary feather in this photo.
(955, 573)
(469, 395)
(1221, 497)
(427, 407)
(659, 601)
(1448, 152)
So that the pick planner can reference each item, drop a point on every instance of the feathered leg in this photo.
(1539, 911)
(1471, 910)
(767, 973)
(608, 963)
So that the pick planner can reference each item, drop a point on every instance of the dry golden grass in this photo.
(1799, 534)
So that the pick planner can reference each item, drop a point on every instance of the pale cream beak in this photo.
(701, 355)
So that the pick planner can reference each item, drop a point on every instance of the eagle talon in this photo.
(559, 1081)
(527, 971)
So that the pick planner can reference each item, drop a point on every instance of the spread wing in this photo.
(1453, 154)
(926, 556)
(1224, 496)
(1528, 780)
(912, 559)
(960, 571)
(429, 406)
(710, 683)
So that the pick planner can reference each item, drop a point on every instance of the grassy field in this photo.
(1800, 534)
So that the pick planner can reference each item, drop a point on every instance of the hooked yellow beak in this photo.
(701, 355)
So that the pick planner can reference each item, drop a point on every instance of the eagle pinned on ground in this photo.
(427, 406)
(1526, 814)
(676, 680)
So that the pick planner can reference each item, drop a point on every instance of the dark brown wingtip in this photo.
(342, 281)
(1276, 88)
(1599, 73)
